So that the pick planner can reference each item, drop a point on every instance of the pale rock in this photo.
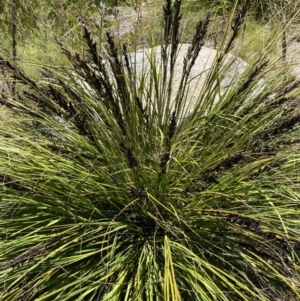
(140, 67)
(139, 61)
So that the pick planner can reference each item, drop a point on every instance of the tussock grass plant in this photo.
(111, 193)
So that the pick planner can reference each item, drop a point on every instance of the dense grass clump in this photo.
(108, 192)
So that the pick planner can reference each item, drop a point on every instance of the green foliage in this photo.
(263, 10)
(108, 192)
(47, 16)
